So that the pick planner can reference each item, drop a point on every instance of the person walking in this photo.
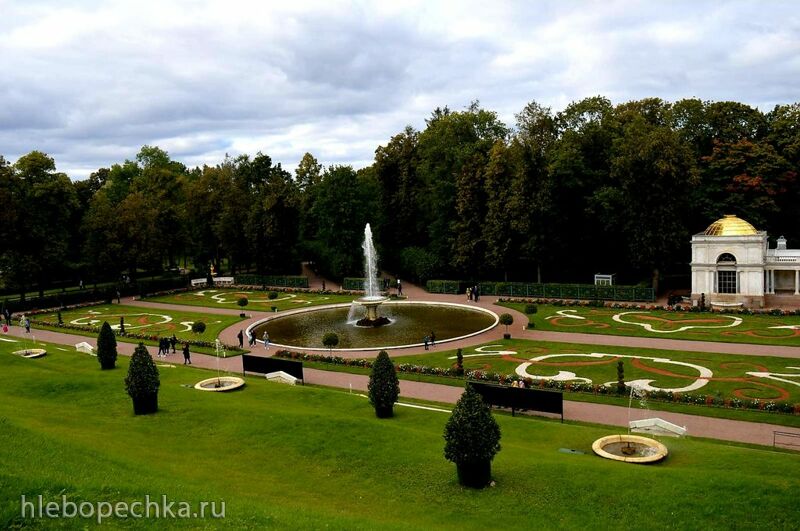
(469, 293)
(186, 359)
(118, 295)
(399, 288)
(240, 336)
(433, 339)
(425, 340)
(265, 337)
(172, 342)
(7, 315)
(27, 326)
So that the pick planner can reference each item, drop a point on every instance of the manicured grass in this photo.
(257, 300)
(151, 321)
(755, 329)
(305, 457)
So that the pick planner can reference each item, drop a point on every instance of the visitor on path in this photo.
(240, 336)
(399, 288)
(172, 342)
(7, 315)
(425, 340)
(323, 285)
(186, 359)
(160, 347)
(469, 293)
(476, 293)
(433, 339)
(80, 284)
(27, 326)
(118, 295)
(5, 328)
(265, 337)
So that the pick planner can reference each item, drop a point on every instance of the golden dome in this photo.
(730, 225)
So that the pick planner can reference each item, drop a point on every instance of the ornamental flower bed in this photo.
(569, 387)
(132, 335)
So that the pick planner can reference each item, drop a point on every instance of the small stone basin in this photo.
(220, 384)
(630, 449)
(30, 353)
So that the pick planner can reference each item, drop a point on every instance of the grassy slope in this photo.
(757, 324)
(304, 457)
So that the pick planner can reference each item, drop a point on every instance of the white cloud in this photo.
(92, 81)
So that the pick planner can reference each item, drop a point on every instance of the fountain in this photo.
(372, 296)
(631, 448)
(220, 383)
(360, 326)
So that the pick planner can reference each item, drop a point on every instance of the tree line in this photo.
(557, 196)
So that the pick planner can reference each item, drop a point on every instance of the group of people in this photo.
(474, 293)
(251, 339)
(164, 345)
(519, 383)
(430, 339)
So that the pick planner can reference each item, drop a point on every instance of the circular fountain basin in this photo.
(220, 384)
(410, 322)
(630, 449)
(30, 353)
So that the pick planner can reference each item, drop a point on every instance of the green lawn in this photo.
(758, 329)
(257, 300)
(306, 457)
(140, 320)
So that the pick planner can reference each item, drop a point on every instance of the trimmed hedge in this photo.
(357, 284)
(551, 291)
(278, 281)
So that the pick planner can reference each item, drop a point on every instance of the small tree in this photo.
(198, 327)
(242, 302)
(507, 320)
(620, 378)
(272, 295)
(531, 309)
(459, 362)
(60, 320)
(122, 325)
(142, 382)
(106, 347)
(330, 340)
(384, 386)
(472, 438)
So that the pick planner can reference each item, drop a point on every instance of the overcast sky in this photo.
(90, 82)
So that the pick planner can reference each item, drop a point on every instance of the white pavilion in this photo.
(733, 266)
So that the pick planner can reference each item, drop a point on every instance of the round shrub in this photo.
(272, 295)
(531, 309)
(142, 382)
(198, 327)
(330, 340)
(106, 347)
(472, 439)
(242, 302)
(384, 386)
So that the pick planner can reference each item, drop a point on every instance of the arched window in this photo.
(726, 274)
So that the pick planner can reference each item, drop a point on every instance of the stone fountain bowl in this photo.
(630, 449)
(30, 353)
(220, 384)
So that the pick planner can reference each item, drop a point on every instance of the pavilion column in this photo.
(797, 282)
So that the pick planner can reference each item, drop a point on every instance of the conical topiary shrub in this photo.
(472, 438)
(106, 347)
(384, 386)
(142, 382)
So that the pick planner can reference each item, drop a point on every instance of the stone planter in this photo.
(506, 336)
(475, 475)
(384, 412)
(242, 315)
(144, 405)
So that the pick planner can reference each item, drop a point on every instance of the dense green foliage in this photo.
(330, 340)
(471, 434)
(106, 347)
(142, 381)
(558, 197)
(198, 327)
(384, 385)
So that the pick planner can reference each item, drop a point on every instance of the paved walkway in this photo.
(697, 426)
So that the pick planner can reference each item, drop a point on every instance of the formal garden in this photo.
(256, 300)
(774, 327)
(293, 456)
